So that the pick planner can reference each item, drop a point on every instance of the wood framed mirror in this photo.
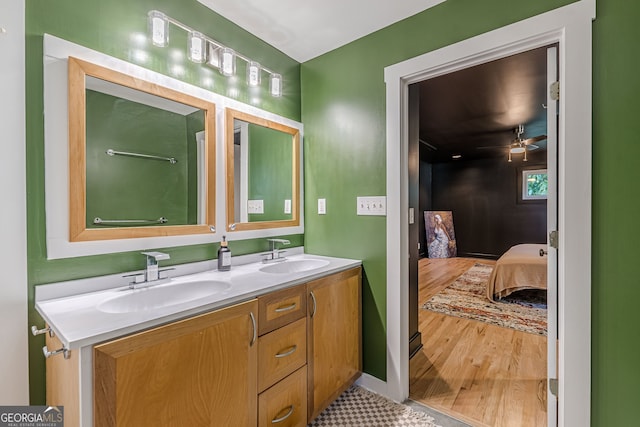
(141, 157)
(263, 173)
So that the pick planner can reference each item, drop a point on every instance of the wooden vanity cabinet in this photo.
(334, 354)
(221, 368)
(201, 371)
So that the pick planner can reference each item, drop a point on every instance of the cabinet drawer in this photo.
(285, 404)
(281, 352)
(279, 308)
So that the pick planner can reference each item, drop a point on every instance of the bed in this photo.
(521, 267)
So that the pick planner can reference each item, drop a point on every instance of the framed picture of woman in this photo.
(441, 238)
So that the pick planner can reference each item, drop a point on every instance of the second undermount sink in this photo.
(294, 266)
(160, 296)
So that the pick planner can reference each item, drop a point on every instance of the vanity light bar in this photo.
(202, 48)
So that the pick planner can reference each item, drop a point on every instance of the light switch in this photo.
(287, 206)
(372, 205)
(412, 218)
(322, 206)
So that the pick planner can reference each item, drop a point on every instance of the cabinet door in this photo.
(334, 337)
(200, 371)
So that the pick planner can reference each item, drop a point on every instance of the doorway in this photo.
(570, 26)
(478, 132)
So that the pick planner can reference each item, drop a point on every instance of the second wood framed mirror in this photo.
(263, 173)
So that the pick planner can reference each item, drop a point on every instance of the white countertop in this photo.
(77, 321)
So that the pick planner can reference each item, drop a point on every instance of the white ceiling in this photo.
(304, 30)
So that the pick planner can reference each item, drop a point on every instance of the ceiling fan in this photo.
(519, 145)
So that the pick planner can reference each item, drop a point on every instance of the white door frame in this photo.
(14, 369)
(570, 26)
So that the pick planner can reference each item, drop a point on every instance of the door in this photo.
(334, 337)
(201, 371)
(552, 226)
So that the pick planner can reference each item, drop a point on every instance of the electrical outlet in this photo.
(372, 205)
(255, 206)
(322, 206)
(287, 206)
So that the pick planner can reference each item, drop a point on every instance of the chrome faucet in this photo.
(151, 273)
(275, 253)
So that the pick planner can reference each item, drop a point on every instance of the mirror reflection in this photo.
(147, 168)
(262, 191)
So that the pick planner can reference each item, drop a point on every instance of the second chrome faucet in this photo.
(275, 253)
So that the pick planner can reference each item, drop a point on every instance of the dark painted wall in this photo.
(425, 192)
(488, 215)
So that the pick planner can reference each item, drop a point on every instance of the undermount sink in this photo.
(160, 296)
(294, 266)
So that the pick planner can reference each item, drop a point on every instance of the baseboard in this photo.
(373, 384)
(478, 255)
(415, 344)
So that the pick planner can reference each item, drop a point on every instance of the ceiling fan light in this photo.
(517, 150)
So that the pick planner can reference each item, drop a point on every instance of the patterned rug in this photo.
(466, 297)
(358, 407)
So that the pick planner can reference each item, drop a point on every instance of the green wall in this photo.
(270, 161)
(616, 209)
(343, 109)
(117, 28)
(133, 127)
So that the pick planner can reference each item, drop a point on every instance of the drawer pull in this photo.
(285, 308)
(284, 417)
(287, 353)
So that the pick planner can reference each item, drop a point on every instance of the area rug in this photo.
(466, 297)
(358, 407)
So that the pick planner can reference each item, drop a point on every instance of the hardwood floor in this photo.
(482, 374)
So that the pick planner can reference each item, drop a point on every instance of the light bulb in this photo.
(275, 84)
(253, 73)
(158, 28)
(227, 62)
(197, 47)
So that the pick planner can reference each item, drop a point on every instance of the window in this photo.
(534, 184)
